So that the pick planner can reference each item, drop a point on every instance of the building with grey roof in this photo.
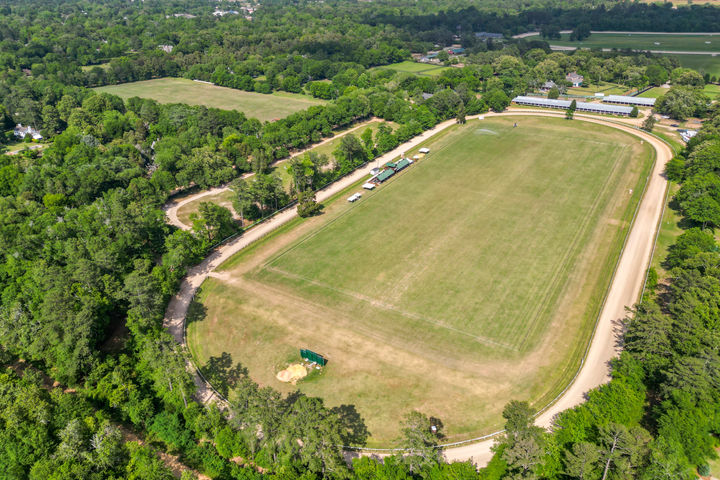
(627, 100)
(580, 106)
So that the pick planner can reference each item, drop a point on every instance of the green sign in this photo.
(311, 356)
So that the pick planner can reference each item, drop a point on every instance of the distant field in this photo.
(654, 92)
(604, 87)
(417, 68)
(687, 43)
(471, 278)
(712, 91)
(701, 63)
(182, 90)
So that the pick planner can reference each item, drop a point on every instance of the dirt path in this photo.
(625, 289)
(171, 208)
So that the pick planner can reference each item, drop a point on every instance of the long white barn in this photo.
(580, 106)
(627, 100)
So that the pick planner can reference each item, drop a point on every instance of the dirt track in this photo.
(172, 208)
(624, 291)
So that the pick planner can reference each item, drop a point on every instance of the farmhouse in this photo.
(22, 132)
(575, 79)
(580, 106)
(627, 100)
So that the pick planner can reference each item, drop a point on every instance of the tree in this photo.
(553, 93)
(307, 205)
(460, 118)
(420, 441)
(523, 440)
(649, 123)
(656, 75)
(582, 461)
(634, 112)
(213, 222)
(496, 99)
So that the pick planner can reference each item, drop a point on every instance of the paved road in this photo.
(625, 289)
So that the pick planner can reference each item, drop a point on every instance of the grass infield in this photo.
(181, 90)
(472, 278)
(417, 68)
(641, 41)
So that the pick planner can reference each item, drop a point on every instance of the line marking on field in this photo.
(388, 306)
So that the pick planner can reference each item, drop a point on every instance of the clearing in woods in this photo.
(181, 90)
(472, 278)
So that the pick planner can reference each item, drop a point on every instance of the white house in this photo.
(22, 132)
(575, 79)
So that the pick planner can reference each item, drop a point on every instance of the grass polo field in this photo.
(471, 278)
(645, 41)
(181, 90)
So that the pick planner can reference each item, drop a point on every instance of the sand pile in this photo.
(292, 374)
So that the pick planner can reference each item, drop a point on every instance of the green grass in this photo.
(701, 63)
(443, 290)
(712, 91)
(181, 90)
(669, 231)
(654, 92)
(638, 41)
(417, 68)
(604, 87)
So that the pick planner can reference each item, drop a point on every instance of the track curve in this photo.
(625, 289)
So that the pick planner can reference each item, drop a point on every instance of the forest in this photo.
(93, 387)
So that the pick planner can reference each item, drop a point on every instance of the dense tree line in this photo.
(89, 264)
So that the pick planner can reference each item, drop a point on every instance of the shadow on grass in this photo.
(354, 432)
(222, 374)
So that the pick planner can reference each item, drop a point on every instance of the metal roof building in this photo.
(639, 101)
(580, 106)
(385, 174)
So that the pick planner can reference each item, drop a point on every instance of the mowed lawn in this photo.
(417, 68)
(701, 63)
(640, 41)
(472, 278)
(182, 90)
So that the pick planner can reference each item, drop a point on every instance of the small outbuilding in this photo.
(424, 150)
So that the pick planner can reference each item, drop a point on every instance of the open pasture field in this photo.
(701, 63)
(641, 41)
(416, 68)
(654, 92)
(471, 278)
(604, 87)
(181, 90)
